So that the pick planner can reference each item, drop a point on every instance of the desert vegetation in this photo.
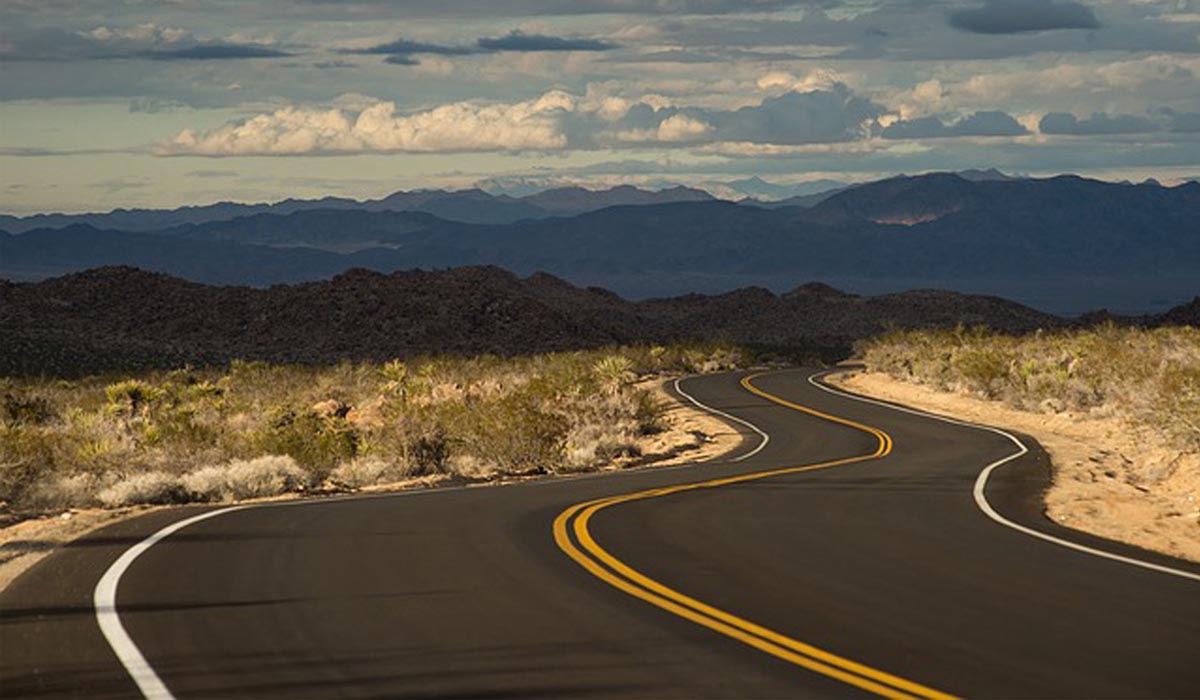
(253, 429)
(1148, 377)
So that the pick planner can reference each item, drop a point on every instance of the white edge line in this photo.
(765, 438)
(105, 601)
(981, 482)
(104, 597)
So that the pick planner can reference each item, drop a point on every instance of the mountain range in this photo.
(1065, 244)
(467, 206)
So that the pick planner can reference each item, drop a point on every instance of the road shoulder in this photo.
(1110, 479)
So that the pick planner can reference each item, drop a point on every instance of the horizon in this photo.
(361, 99)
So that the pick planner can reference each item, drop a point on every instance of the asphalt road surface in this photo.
(859, 565)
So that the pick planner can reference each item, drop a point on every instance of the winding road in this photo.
(844, 550)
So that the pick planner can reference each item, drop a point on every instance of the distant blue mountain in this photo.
(1064, 244)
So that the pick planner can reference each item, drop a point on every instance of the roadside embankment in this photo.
(75, 456)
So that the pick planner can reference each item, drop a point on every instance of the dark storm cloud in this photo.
(1017, 16)
(993, 123)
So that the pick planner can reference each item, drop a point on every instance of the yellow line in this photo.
(602, 564)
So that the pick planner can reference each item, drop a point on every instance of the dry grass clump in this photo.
(1151, 377)
(257, 429)
(260, 477)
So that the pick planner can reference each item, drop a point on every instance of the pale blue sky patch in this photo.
(154, 104)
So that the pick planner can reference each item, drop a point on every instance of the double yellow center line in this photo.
(573, 537)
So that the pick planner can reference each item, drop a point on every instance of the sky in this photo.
(149, 103)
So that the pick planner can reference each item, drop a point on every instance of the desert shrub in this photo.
(614, 372)
(315, 442)
(58, 492)
(516, 433)
(131, 398)
(26, 460)
(427, 452)
(270, 475)
(368, 471)
(21, 409)
(151, 488)
(62, 443)
(1151, 377)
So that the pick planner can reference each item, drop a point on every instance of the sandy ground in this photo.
(1112, 479)
(691, 435)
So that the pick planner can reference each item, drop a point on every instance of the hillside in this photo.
(122, 318)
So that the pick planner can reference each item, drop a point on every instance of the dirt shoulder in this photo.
(1111, 479)
(690, 435)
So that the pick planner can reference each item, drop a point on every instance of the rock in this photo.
(368, 416)
(330, 408)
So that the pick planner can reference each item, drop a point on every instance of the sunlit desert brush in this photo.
(256, 429)
(1150, 377)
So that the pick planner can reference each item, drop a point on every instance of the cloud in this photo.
(462, 126)
(819, 116)
(553, 122)
(530, 8)
(1099, 123)
(120, 184)
(992, 123)
(1160, 76)
(1182, 122)
(1018, 16)
(211, 173)
(403, 52)
(142, 41)
(406, 47)
(214, 52)
(519, 41)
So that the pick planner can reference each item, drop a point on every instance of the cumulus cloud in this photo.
(555, 121)
(462, 126)
(1018, 16)
(990, 123)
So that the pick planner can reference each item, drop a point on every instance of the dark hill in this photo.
(123, 318)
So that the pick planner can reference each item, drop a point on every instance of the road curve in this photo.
(859, 566)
